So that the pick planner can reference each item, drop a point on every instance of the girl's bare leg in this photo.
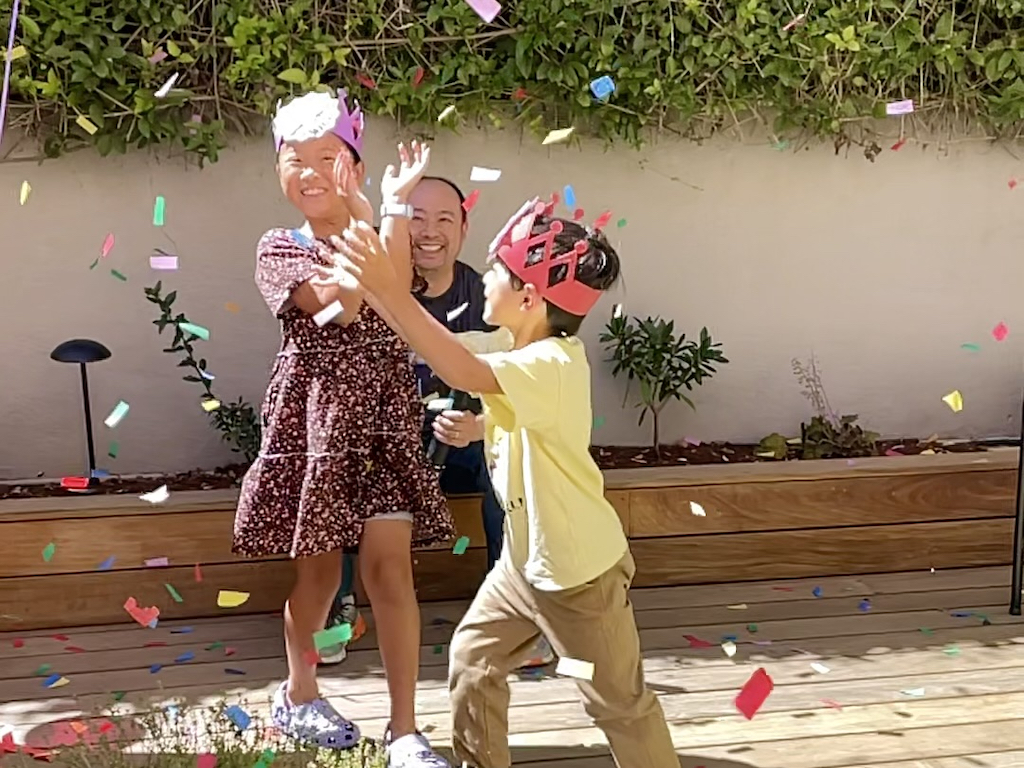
(317, 580)
(385, 564)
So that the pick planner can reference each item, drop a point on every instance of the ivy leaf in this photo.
(293, 75)
(31, 28)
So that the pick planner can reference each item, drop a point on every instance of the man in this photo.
(454, 295)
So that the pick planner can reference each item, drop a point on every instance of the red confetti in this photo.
(61, 638)
(311, 657)
(1000, 332)
(18, 642)
(696, 642)
(366, 81)
(470, 201)
(753, 694)
(898, 145)
(199, 573)
(1011, 183)
(77, 483)
(893, 452)
(602, 221)
(418, 77)
(230, 651)
(155, 644)
(783, 589)
(578, 214)
(106, 726)
(832, 703)
(519, 94)
(145, 616)
(74, 649)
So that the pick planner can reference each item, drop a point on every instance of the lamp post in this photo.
(83, 352)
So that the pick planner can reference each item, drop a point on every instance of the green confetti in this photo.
(971, 347)
(265, 759)
(93, 265)
(984, 619)
(926, 631)
(338, 635)
(159, 207)
(118, 695)
(113, 450)
(598, 422)
(174, 593)
(461, 545)
(781, 145)
(951, 650)
(195, 330)
(621, 223)
(215, 646)
(751, 628)
(438, 650)
(48, 551)
(119, 276)
(43, 670)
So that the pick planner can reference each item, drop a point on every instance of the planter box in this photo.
(763, 521)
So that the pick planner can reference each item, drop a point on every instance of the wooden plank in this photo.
(70, 600)
(827, 503)
(831, 551)
(184, 538)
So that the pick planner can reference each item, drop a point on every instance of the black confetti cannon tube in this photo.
(437, 452)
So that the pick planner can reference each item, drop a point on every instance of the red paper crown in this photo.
(515, 241)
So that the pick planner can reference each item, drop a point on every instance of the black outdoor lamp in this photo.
(83, 352)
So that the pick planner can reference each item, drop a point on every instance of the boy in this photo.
(565, 569)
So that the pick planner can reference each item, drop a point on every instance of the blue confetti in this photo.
(237, 716)
(107, 564)
(155, 668)
(570, 196)
(187, 656)
(865, 605)
(962, 614)
(233, 671)
(729, 638)
(181, 630)
(602, 87)
(100, 474)
(816, 591)
(50, 680)
(301, 238)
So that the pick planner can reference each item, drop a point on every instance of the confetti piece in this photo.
(195, 330)
(93, 265)
(48, 551)
(570, 196)
(159, 496)
(461, 545)
(796, 21)
(582, 670)
(108, 246)
(327, 314)
(865, 606)
(484, 174)
(154, 668)
(147, 617)
(227, 598)
(452, 314)
(1012, 183)
(418, 76)
(602, 87)
(74, 649)
(470, 201)
(971, 347)
(485, 9)
(898, 145)
(312, 658)
(783, 589)
(119, 412)
(821, 669)
(55, 681)
(696, 642)
(832, 703)
(817, 592)
(698, 510)
(86, 125)
(232, 308)
(161, 93)
(42, 670)
(158, 56)
(754, 693)
(157, 562)
(61, 638)
(237, 716)
(187, 656)
(602, 221)
(18, 52)
(198, 573)
(617, 310)
(598, 422)
(904, 107)
(737, 607)
(173, 593)
(620, 223)
(557, 136)
(752, 628)
(1000, 332)
(450, 109)
(366, 81)
(18, 642)
(337, 635)
(26, 190)
(159, 209)
(438, 650)
(233, 671)
(730, 648)
(182, 631)
(915, 692)
(206, 761)
(119, 695)
(210, 405)
(119, 275)
(926, 631)
(951, 650)
(214, 646)
(954, 400)
(155, 644)
(439, 404)
(107, 564)
(207, 375)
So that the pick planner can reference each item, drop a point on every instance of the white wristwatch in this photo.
(396, 209)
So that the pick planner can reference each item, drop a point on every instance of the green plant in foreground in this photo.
(237, 422)
(662, 364)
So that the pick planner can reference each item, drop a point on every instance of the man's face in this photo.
(437, 228)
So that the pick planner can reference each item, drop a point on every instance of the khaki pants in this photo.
(593, 622)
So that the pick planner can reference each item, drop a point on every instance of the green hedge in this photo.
(686, 66)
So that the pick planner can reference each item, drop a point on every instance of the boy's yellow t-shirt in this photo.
(560, 531)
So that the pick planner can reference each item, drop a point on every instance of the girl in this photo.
(340, 464)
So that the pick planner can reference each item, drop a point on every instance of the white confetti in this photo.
(557, 136)
(119, 412)
(484, 174)
(915, 692)
(821, 669)
(899, 107)
(617, 310)
(327, 314)
(456, 312)
(166, 87)
(737, 607)
(730, 648)
(697, 509)
(159, 496)
(583, 670)
(445, 112)
(440, 404)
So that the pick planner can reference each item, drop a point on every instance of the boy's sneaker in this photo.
(541, 656)
(412, 751)
(343, 611)
(314, 723)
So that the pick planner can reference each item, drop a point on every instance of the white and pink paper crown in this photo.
(317, 114)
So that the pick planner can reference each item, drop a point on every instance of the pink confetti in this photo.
(199, 573)
(108, 246)
(157, 562)
(485, 9)
(904, 107)
(832, 703)
(157, 57)
(1012, 183)
(206, 761)
(1000, 332)
(691, 441)
(163, 262)
(893, 452)
(470, 201)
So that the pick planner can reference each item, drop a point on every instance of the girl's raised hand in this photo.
(397, 184)
(346, 184)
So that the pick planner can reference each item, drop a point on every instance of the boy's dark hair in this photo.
(597, 268)
(455, 187)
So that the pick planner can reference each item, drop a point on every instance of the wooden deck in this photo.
(928, 672)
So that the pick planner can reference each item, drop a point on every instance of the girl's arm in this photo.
(312, 297)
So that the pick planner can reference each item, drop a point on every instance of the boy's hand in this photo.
(346, 185)
(361, 255)
(397, 185)
(458, 428)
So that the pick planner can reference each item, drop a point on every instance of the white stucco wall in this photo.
(882, 269)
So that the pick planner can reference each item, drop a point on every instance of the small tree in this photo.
(662, 364)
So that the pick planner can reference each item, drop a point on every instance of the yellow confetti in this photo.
(556, 136)
(583, 670)
(445, 112)
(60, 683)
(954, 400)
(232, 307)
(211, 405)
(227, 598)
(737, 607)
(86, 125)
(26, 190)
(18, 52)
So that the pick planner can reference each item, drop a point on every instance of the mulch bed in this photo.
(607, 457)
